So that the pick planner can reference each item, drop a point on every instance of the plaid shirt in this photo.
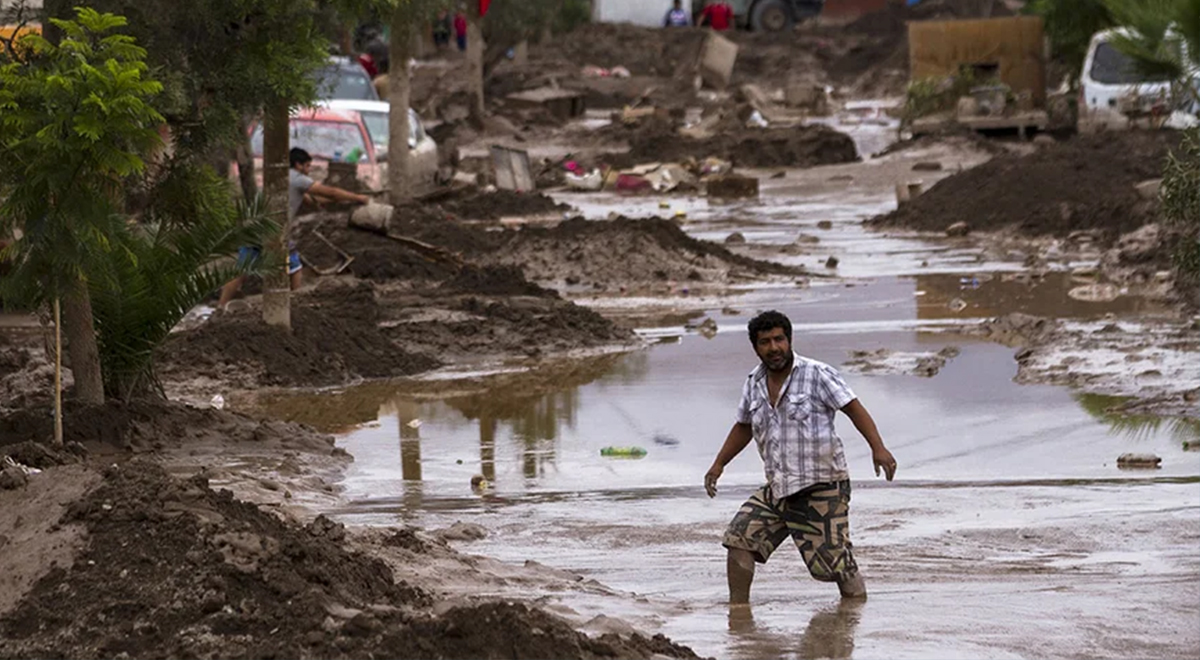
(797, 440)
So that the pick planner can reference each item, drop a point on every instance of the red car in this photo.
(327, 135)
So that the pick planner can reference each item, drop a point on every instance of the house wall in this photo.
(649, 13)
(939, 48)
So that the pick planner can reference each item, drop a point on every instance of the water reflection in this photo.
(1111, 410)
(830, 634)
(948, 296)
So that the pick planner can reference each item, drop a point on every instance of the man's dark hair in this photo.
(298, 156)
(769, 320)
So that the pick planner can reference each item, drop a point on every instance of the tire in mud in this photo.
(772, 16)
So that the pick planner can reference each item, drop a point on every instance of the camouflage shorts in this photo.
(817, 519)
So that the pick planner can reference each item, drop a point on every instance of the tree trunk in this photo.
(81, 345)
(276, 292)
(475, 47)
(244, 155)
(399, 48)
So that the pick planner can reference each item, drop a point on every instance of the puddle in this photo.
(1010, 531)
(1009, 508)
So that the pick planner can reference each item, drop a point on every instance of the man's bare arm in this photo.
(333, 192)
(866, 426)
(739, 436)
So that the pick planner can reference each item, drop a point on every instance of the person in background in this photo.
(460, 30)
(441, 29)
(677, 16)
(300, 186)
(716, 14)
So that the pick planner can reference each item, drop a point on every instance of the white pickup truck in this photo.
(1114, 94)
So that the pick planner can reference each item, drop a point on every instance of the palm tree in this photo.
(163, 267)
(1163, 41)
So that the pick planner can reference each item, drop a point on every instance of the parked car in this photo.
(1112, 90)
(331, 133)
(343, 78)
(422, 149)
(327, 135)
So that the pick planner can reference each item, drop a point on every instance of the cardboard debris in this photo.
(717, 60)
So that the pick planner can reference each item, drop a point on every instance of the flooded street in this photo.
(1009, 531)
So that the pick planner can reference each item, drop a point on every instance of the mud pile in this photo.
(173, 568)
(26, 376)
(1085, 183)
(334, 340)
(471, 203)
(802, 146)
(147, 426)
(598, 254)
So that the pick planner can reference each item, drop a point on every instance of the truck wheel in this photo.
(772, 16)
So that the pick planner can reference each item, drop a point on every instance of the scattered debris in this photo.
(1138, 462)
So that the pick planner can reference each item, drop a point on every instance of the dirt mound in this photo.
(471, 327)
(1086, 183)
(488, 631)
(173, 568)
(375, 257)
(597, 254)
(475, 204)
(495, 281)
(334, 339)
(803, 146)
(643, 51)
(143, 425)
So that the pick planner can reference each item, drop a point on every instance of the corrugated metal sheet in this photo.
(639, 12)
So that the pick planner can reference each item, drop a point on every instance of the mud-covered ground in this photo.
(1084, 183)
(147, 564)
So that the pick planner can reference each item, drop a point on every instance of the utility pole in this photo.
(276, 308)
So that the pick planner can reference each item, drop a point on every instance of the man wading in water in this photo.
(788, 405)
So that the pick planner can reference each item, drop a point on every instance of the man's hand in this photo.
(710, 479)
(883, 459)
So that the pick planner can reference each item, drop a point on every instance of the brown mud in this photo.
(1086, 183)
(799, 147)
(172, 567)
(334, 339)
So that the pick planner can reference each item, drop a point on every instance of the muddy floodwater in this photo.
(1009, 531)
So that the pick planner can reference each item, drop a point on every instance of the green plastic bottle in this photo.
(623, 452)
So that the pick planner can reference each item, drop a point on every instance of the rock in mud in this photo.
(958, 229)
(832, 262)
(927, 167)
(736, 238)
(1138, 461)
(825, 224)
(12, 478)
(462, 531)
(732, 186)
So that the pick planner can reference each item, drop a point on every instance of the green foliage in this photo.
(1110, 410)
(1069, 25)
(77, 124)
(1165, 40)
(929, 96)
(75, 121)
(164, 267)
(1181, 208)
(221, 60)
